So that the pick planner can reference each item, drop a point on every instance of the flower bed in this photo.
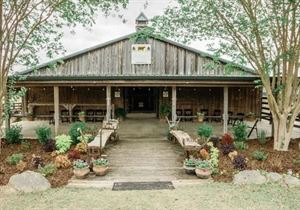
(276, 161)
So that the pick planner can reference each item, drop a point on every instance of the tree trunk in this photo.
(282, 132)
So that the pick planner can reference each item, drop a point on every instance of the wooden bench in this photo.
(185, 141)
(106, 133)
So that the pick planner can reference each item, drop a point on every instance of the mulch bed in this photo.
(279, 162)
(60, 177)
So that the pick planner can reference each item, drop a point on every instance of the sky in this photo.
(108, 28)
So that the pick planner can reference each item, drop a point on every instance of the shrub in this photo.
(80, 164)
(13, 135)
(259, 155)
(81, 147)
(63, 143)
(43, 134)
(49, 146)
(240, 132)
(74, 155)
(205, 131)
(101, 162)
(227, 148)
(25, 146)
(215, 140)
(164, 110)
(214, 158)
(62, 161)
(239, 162)
(261, 136)
(227, 139)
(74, 132)
(14, 159)
(240, 145)
(47, 170)
(37, 161)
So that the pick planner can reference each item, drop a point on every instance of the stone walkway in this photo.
(143, 153)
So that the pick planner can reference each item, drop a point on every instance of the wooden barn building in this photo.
(139, 75)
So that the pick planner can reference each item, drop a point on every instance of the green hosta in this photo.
(101, 162)
(240, 145)
(14, 159)
(240, 132)
(63, 143)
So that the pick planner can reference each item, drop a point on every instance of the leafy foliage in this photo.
(239, 162)
(205, 131)
(203, 164)
(37, 161)
(240, 145)
(262, 139)
(63, 143)
(80, 164)
(43, 134)
(215, 140)
(214, 158)
(75, 131)
(259, 155)
(49, 146)
(13, 135)
(120, 112)
(101, 162)
(14, 159)
(227, 148)
(164, 110)
(240, 132)
(47, 170)
(62, 161)
(227, 139)
(191, 162)
(74, 154)
(25, 146)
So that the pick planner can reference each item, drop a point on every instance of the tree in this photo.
(264, 34)
(30, 26)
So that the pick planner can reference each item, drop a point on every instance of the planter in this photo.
(200, 119)
(81, 173)
(100, 170)
(203, 173)
(189, 170)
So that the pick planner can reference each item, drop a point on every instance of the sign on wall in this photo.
(117, 94)
(141, 54)
(165, 94)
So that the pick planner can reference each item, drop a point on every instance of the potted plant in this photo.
(250, 116)
(200, 116)
(80, 169)
(81, 116)
(100, 166)
(203, 169)
(164, 111)
(30, 116)
(189, 166)
(120, 113)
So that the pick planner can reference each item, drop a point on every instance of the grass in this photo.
(209, 196)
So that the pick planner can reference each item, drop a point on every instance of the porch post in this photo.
(225, 113)
(174, 104)
(24, 104)
(56, 109)
(108, 103)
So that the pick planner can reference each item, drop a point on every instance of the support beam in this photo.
(225, 114)
(108, 103)
(56, 108)
(174, 99)
(24, 105)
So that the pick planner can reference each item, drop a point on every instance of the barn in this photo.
(138, 74)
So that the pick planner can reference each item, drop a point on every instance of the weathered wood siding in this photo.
(115, 59)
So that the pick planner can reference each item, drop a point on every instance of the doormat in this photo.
(123, 186)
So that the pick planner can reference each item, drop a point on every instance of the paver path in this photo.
(143, 152)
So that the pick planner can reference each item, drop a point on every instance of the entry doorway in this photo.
(141, 99)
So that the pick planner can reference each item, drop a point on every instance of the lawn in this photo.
(211, 196)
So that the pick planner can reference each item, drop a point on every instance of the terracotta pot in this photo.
(189, 170)
(82, 118)
(203, 173)
(81, 173)
(100, 170)
(200, 119)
